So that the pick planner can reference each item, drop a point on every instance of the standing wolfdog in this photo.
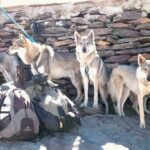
(92, 68)
(125, 79)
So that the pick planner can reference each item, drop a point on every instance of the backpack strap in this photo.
(2, 98)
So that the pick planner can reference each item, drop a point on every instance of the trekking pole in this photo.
(18, 25)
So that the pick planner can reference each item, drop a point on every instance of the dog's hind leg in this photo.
(118, 84)
(145, 105)
(76, 81)
(104, 95)
(133, 99)
(125, 95)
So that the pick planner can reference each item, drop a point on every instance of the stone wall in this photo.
(121, 32)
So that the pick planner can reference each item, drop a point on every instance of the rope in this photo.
(19, 26)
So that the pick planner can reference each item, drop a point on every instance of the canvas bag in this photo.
(18, 119)
(56, 112)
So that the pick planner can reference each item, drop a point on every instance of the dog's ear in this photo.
(76, 36)
(91, 35)
(23, 38)
(141, 59)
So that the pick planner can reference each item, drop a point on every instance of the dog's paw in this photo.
(95, 106)
(83, 105)
(142, 125)
(77, 102)
(123, 115)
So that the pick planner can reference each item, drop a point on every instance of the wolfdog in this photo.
(125, 79)
(92, 68)
(8, 66)
(55, 64)
(118, 82)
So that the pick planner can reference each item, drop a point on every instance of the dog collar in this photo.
(36, 57)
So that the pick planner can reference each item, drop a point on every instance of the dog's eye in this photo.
(145, 69)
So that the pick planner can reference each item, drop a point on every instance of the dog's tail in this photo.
(145, 106)
(114, 86)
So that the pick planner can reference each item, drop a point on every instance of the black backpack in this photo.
(56, 112)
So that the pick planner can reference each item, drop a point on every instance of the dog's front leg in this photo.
(141, 111)
(34, 69)
(85, 83)
(95, 104)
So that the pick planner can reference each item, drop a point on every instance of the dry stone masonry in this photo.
(121, 32)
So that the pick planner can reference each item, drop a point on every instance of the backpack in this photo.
(18, 119)
(55, 111)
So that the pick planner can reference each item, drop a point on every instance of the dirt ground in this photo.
(98, 132)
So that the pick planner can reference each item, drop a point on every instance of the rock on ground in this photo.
(98, 132)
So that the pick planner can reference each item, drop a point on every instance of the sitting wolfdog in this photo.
(92, 68)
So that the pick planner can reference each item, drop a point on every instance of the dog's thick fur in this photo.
(120, 79)
(92, 68)
(8, 66)
(125, 79)
(55, 64)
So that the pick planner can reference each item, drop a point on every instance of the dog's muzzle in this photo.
(84, 49)
(148, 78)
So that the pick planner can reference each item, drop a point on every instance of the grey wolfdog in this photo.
(8, 66)
(92, 68)
(125, 79)
(55, 64)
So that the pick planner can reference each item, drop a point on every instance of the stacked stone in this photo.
(119, 37)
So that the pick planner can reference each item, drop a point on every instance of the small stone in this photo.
(133, 51)
(118, 25)
(93, 11)
(96, 25)
(125, 46)
(103, 44)
(107, 53)
(96, 17)
(134, 58)
(55, 30)
(102, 31)
(57, 23)
(126, 33)
(145, 26)
(80, 20)
(140, 21)
(62, 43)
(53, 35)
(111, 40)
(142, 39)
(5, 34)
(124, 40)
(2, 45)
(127, 16)
(79, 28)
(91, 18)
(145, 32)
(3, 49)
(117, 59)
